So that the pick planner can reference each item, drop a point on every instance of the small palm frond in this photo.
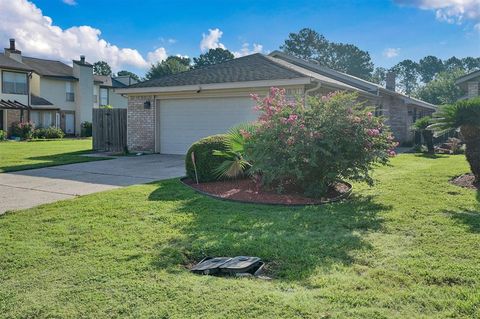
(451, 116)
(235, 164)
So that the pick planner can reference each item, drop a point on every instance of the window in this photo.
(103, 96)
(70, 95)
(35, 118)
(95, 94)
(14, 83)
(42, 119)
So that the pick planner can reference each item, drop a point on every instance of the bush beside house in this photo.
(206, 162)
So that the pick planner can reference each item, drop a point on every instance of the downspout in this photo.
(309, 91)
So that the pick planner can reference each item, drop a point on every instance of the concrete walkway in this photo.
(25, 189)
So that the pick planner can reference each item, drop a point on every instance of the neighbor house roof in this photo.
(108, 81)
(255, 67)
(50, 68)
(37, 100)
(468, 77)
(8, 63)
(361, 84)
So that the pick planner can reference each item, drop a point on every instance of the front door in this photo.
(1, 120)
(69, 123)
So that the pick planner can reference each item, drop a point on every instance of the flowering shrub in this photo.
(308, 148)
(24, 130)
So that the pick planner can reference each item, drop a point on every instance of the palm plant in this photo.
(422, 125)
(235, 164)
(465, 115)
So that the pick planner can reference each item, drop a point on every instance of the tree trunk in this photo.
(471, 134)
(428, 138)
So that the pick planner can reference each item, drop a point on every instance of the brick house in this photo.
(470, 84)
(166, 115)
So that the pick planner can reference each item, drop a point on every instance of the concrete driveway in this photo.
(25, 189)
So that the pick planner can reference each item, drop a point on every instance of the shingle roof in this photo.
(106, 80)
(37, 100)
(8, 63)
(49, 67)
(255, 67)
(469, 76)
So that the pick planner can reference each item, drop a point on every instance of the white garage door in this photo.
(184, 121)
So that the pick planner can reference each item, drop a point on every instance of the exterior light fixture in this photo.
(147, 105)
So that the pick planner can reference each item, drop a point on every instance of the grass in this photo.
(17, 156)
(407, 248)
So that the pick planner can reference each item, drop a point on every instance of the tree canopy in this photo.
(128, 73)
(171, 65)
(213, 56)
(102, 68)
(310, 45)
(442, 89)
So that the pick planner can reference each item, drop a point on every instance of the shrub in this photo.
(3, 136)
(48, 133)
(24, 130)
(422, 125)
(309, 148)
(464, 114)
(205, 161)
(86, 129)
(235, 162)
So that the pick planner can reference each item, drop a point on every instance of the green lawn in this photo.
(16, 156)
(407, 248)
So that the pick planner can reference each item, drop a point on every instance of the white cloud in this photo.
(391, 52)
(211, 40)
(159, 54)
(70, 2)
(451, 11)
(36, 35)
(245, 50)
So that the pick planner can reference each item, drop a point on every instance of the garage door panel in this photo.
(184, 121)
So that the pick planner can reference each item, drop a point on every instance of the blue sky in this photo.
(390, 31)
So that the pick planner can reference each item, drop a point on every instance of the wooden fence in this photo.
(109, 130)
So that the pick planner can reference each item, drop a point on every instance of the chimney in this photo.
(390, 81)
(12, 52)
(82, 59)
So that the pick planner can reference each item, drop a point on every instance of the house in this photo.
(168, 114)
(52, 93)
(470, 84)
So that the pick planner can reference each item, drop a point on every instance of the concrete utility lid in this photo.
(229, 266)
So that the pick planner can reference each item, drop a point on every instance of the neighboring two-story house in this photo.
(470, 84)
(52, 93)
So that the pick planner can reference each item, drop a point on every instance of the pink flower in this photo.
(370, 115)
(246, 135)
(392, 153)
(292, 118)
(254, 97)
(373, 132)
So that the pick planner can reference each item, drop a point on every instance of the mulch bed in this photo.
(466, 181)
(245, 190)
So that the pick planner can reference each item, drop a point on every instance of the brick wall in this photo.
(12, 117)
(396, 112)
(141, 124)
(473, 89)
